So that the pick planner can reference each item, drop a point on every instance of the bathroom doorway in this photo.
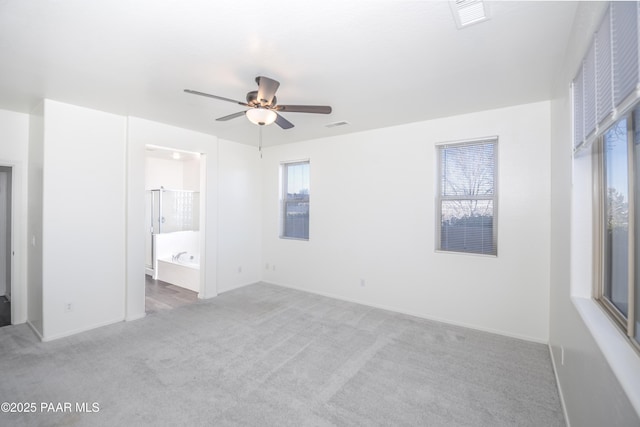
(5, 245)
(172, 228)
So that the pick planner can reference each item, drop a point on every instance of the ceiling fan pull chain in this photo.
(260, 141)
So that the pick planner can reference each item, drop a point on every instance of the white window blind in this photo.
(295, 200)
(608, 79)
(589, 79)
(578, 109)
(467, 197)
(604, 94)
(625, 49)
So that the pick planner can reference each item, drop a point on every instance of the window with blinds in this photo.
(606, 117)
(467, 197)
(606, 85)
(295, 200)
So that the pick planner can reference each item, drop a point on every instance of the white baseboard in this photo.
(135, 317)
(242, 285)
(562, 402)
(410, 313)
(79, 330)
(35, 330)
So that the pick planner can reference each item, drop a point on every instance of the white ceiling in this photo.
(378, 63)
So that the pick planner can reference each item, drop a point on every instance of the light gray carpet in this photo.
(264, 355)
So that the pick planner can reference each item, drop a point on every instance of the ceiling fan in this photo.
(263, 105)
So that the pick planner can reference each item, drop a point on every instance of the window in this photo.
(295, 200)
(618, 209)
(467, 197)
(605, 116)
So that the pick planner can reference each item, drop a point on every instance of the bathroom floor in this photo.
(5, 311)
(160, 295)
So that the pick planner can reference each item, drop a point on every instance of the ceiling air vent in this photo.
(468, 12)
(336, 124)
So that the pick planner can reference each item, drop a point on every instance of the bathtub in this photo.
(187, 258)
(181, 269)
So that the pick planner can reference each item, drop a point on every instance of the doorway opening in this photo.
(172, 228)
(5, 245)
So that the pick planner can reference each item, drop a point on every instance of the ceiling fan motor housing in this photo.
(252, 100)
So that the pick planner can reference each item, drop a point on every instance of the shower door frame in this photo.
(153, 266)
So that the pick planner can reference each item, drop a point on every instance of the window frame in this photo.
(626, 325)
(283, 198)
(440, 198)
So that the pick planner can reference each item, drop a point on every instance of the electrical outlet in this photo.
(240, 269)
(562, 355)
(266, 266)
(362, 283)
(68, 307)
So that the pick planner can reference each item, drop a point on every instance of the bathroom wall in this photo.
(160, 172)
(183, 174)
(191, 174)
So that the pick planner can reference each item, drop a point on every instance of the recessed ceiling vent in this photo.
(336, 124)
(469, 12)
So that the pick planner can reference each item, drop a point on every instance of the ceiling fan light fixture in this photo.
(261, 116)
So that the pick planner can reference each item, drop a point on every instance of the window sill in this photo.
(300, 239)
(440, 251)
(622, 358)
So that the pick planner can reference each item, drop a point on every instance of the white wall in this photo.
(163, 173)
(191, 175)
(14, 143)
(373, 218)
(592, 394)
(240, 215)
(34, 219)
(140, 134)
(172, 174)
(83, 242)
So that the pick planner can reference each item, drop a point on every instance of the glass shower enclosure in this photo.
(168, 211)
